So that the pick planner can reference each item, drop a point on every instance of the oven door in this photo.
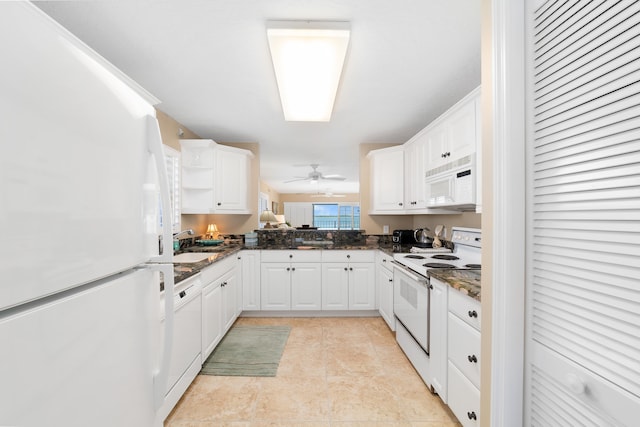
(411, 303)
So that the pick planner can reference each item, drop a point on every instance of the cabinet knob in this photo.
(391, 280)
(345, 269)
(350, 268)
(400, 204)
(348, 256)
(472, 358)
(288, 269)
(473, 313)
(290, 255)
(293, 269)
(472, 415)
(219, 203)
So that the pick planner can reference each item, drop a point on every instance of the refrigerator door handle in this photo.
(155, 147)
(161, 375)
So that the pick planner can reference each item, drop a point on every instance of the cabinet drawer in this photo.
(385, 260)
(291, 256)
(464, 348)
(467, 308)
(348, 256)
(464, 398)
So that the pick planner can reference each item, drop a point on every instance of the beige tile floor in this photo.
(334, 372)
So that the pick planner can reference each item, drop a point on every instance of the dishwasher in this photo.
(185, 354)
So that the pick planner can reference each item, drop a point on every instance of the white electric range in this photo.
(466, 253)
(412, 292)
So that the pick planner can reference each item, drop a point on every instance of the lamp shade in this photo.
(268, 216)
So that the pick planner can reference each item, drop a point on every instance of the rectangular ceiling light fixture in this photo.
(307, 58)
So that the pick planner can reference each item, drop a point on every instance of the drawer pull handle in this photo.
(472, 358)
(473, 313)
(472, 415)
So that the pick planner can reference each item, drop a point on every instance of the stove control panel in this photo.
(467, 236)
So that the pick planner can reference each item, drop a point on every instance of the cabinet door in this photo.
(461, 132)
(414, 160)
(275, 286)
(211, 318)
(362, 286)
(306, 286)
(387, 180)
(385, 291)
(436, 147)
(335, 286)
(229, 297)
(438, 340)
(231, 181)
(250, 279)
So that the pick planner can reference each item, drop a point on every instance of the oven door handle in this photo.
(412, 274)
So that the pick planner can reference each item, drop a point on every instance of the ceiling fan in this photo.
(316, 175)
(328, 194)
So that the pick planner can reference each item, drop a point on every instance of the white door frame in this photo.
(506, 92)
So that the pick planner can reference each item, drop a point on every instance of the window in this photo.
(336, 216)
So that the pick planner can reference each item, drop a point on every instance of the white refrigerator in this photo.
(82, 186)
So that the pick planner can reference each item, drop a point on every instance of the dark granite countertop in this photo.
(185, 270)
(465, 281)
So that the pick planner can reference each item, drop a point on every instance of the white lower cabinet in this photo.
(275, 286)
(219, 302)
(348, 280)
(464, 398)
(250, 267)
(438, 340)
(229, 285)
(464, 358)
(211, 318)
(384, 280)
(290, 280)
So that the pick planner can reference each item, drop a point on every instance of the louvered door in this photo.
(583, 312)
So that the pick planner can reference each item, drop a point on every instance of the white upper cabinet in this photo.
(415, 156)
(455, 134)
(387, 180)
(398, 174)
(215, 178)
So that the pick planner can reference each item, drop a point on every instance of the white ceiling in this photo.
(208, 62)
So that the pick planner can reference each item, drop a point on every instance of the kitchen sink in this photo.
(191, 257)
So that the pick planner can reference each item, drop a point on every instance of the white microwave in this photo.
(455, 187)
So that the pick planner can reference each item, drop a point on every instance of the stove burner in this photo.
(445, 257)
(438, 265)
(473, 265)
(414, 256)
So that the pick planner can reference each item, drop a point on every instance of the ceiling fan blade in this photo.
(298, 179)
(334, 177)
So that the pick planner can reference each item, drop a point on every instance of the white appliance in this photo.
(412, 291)
(81, 173)
(452, 185)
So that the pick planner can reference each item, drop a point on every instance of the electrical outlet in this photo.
(385, 229)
